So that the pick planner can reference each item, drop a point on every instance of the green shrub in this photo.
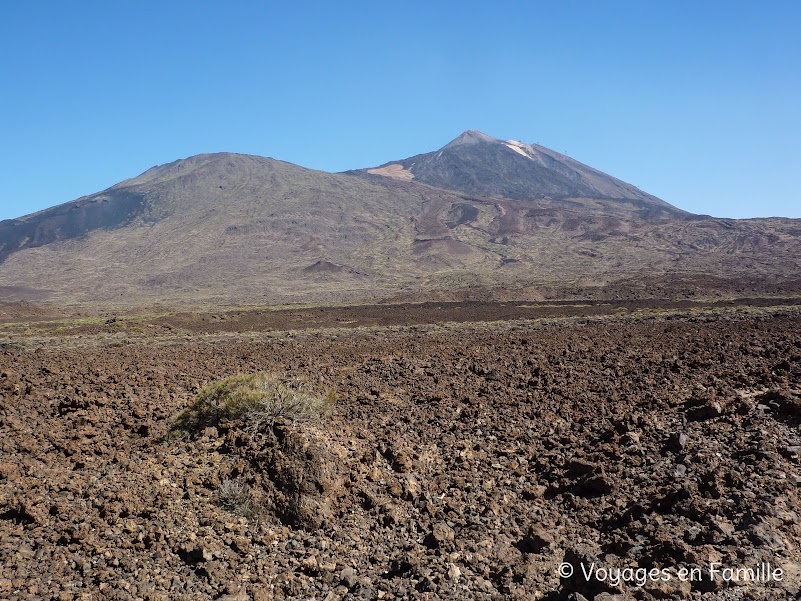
(255, 399)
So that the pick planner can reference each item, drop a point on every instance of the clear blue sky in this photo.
(697, 102)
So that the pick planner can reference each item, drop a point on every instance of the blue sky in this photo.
(695, 102)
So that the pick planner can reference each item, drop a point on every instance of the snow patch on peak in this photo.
(523, 150)
(516, 146)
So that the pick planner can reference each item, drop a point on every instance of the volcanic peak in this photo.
(471, 136)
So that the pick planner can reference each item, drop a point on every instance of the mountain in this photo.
(237, 229)
(478, 165)
(210, 228)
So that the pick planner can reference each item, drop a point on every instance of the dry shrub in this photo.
(257, 400)
(234, 495)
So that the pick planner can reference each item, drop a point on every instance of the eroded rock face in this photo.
(295, 469)
(463, 461)
(306, 474)
(304, 471)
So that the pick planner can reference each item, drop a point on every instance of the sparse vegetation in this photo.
(234, 495)
(256, 399)
(376, 486)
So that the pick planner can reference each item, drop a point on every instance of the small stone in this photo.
(794, 451)
(706, 411)
(348, 577)
(631, 438)
(580, 467)
(454, 573)
(327, 566)
(535, 491)
(595, 485)
(762, 536)
(723, 527)
(535, 540)
(404, 563)
(309, 564)
(411, 488)
(262, 594)
(678, 442)
(440, 534)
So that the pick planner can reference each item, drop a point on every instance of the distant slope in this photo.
(476, 164)
(207, 228)
(113, 209)
(238, 229)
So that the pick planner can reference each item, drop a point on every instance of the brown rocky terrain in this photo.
(473, 449)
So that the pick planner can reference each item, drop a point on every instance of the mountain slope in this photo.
(205, 228)
(236, 229)
(479, 165)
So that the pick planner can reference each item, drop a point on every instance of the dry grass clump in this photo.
(257, 399)
(234, 495)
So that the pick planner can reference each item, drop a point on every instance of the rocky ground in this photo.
(461, 460)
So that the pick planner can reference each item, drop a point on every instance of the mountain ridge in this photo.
(234, 228)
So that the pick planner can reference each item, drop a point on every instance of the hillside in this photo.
(238, 229)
